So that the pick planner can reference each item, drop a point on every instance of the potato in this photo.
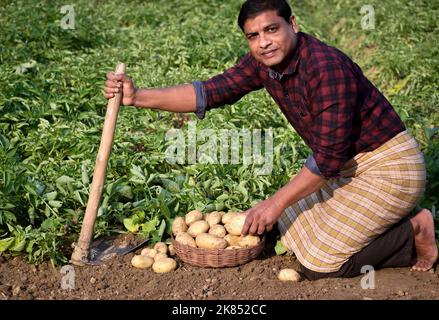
(232, 240)
(213, 218)
(234, 226)
(160, 255)
(193, 216)
(289, 275)
(248, 241)
(225, 218)
(164, 265)
(218, 230)
(142, 262)
(198, 227)
(149, 252)
(206, 215)
(171, 250)
(209, 241)
(179, 225)
(185, 239)
(161, 247)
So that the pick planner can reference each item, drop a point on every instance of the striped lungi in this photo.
(375, 190)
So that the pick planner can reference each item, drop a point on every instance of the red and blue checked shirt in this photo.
(324, 95)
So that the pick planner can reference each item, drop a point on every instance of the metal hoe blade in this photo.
(102, 250)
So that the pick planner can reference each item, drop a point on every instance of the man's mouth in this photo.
(268, 53)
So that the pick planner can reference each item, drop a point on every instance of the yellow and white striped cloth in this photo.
(376, 189)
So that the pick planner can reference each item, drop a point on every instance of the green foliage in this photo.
(280, 248)
(52, 109)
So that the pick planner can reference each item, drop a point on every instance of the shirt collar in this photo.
(294, 60)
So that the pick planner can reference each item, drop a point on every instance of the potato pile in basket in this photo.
(215, 230)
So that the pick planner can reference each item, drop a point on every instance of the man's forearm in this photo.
(175, 99)
(303, 184)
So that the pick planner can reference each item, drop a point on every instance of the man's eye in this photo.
(272, 29)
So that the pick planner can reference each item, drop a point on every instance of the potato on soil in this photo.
(164, 265)
(209, 241)
(248, 241)
(142, 262)
(179, 225)
(171, 250)
(225, 218)
(185, 239)
(193, 216)
(289, 275)
(218, 230)
(160, 255)
(161, 247)
(213, 218)
(149, 252)
(232, 240)
(234, 226)
(198, 227)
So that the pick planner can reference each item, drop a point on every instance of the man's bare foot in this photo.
(425, 243)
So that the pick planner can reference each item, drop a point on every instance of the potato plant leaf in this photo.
(280, 248)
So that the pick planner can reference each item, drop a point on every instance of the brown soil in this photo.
(256, 280)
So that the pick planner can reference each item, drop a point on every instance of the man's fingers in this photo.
(113, 77)
(270, 227)
(112, 84)
(111, 90)
(261, 229)
(117, 77)
(254, 228)
(118, 84)
(248, 222)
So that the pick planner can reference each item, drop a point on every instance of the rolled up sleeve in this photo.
(201, 102)
(228, 87)
(333, 103)
(312, 165)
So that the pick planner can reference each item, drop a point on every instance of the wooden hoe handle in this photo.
(81, 251)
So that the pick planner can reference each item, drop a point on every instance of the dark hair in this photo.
(251, 8)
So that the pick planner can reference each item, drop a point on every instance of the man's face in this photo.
(270, 38)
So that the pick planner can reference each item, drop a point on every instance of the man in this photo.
(348, 206)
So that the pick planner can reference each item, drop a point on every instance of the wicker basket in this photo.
(216, 258)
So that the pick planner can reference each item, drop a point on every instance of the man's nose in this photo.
(264, 41)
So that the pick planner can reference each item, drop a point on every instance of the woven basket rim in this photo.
(241, 248)
(202, 257)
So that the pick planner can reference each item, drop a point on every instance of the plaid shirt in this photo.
(324, 95)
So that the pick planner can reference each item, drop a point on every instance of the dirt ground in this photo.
(256, 280)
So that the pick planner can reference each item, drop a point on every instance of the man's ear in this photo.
(293, 23)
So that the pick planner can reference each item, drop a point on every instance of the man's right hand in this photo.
(120, 83)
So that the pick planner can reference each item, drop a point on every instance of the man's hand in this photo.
(265, 214)
(120, 83)
(261, 217)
